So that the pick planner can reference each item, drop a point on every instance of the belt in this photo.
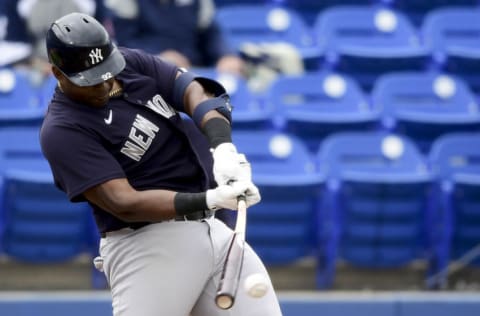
(194, 216)
(190, 217)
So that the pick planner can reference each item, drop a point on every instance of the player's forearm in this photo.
(146, 206)
(123, 201)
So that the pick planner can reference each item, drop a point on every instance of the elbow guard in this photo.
(185, 78)
(220, 102)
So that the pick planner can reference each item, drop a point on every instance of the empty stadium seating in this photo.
(20, 103)
(309, 9)
(455, 160)
(46, 90)
(315, 105)
(20, 149)
(41, 225)
(267, 24)
(38, 223)
(425, 105)
(453, 35)
(373, 210)
(281, 228)
(416, 10)
(367, 41)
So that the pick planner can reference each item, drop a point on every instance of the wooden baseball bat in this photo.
(230, 277)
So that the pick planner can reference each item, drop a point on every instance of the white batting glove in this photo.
(252, 194)
(227, 165)
(244, 170)
(225, 196)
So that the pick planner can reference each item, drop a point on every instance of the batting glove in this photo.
(252, 194)
(228, 165)
(225, 196)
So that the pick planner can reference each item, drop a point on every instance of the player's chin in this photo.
(99, 101)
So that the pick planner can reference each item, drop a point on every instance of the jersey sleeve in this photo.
(78, 160)
(162, 72)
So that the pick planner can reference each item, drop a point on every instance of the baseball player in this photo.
(113, 137)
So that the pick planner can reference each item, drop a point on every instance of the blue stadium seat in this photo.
(416, 10)
(367, 41)
(455, 160)
(47, 89)
(19, 100)
(220, 3)
(309, 9)
(315, 105)
(41, 224)
(38, 224)
(376, 196)
(453, 35)
(426, 105)
(262, 23)
(20, 148)
(281, 227)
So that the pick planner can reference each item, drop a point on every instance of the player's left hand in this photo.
(229, 165)
(252, 194)
(225, 196)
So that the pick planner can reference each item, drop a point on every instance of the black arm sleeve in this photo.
(218, 131)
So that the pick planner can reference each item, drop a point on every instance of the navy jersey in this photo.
(138, 136)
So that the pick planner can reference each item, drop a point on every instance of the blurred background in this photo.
(360, 119)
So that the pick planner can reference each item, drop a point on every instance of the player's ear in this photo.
(57, 73)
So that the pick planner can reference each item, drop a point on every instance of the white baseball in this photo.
(98, 263)
(256, 285)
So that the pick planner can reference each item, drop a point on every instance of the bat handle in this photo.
(241, 197)
(241, 222)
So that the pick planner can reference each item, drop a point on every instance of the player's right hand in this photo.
(225, 196)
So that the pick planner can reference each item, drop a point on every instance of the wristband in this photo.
(187, 203)
(218, 131)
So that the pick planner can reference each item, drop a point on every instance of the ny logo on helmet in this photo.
(95, 56)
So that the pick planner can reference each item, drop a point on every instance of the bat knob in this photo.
(224, 301)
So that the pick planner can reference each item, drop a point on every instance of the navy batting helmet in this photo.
(81, 48)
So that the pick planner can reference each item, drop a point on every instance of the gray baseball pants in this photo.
(173, 268)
